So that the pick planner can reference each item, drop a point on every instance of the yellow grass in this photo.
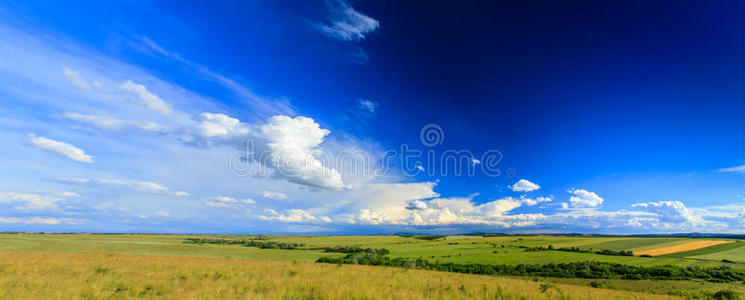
(682, 247)
(103, 276)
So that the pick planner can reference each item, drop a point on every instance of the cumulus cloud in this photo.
(456, 210)
(150, 100)
(592, 219)
(293, 216)
(227, 202)
(61, 148)
(293, 145)
(670, 211)
(535, 201)
(523, 185)
(113, 124)
(221, 126)
(584, 198)
(345, 23)
(274, 195)
(416, 204)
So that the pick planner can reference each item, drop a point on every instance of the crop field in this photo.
(683, 247)
(269, 266)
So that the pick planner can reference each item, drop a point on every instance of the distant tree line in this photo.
(246, 243)
(263, 244)
(587, 269)
(580, 250)
(349, 249)
(426, 237)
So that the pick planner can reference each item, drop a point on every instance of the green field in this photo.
(464, 249)
(735, 254)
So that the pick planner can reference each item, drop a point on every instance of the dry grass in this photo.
(693, 245)
(99, 276)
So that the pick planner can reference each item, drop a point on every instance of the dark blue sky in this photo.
(635, 101)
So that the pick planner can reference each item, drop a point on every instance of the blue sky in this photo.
(372, 117)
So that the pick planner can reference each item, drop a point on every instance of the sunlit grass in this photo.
(96, 276)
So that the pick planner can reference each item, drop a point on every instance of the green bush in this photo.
(726, 295)
(587, 269)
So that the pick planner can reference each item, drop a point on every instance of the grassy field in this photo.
(735, 254)
(100, 276)
(135, 262)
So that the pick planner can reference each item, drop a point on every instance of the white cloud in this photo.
(584, 198)
(66, 194)
(367, 105)
(221, 126)
(475, 161)
(737, 169)
(109, 123)
(227, 202)
(27, 202)
(670, 211)
(32, 220)
(274, 195)
(535, 201)
(592, 219)
(523, 185)
(151, 101)
(345, 23)
(413, 204)
(293, 145)
(61, 148)
(138, 185)
(76, 79)
(450, 211)
(291, 216)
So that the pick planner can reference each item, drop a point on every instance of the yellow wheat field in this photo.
(682, 247)
(104, 276)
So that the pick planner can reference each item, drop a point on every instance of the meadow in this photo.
(173, 266)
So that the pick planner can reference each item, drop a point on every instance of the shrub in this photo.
(726, 295)
(586, 269)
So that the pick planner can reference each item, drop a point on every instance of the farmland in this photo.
(171, 256)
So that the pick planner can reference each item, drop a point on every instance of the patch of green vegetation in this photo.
(587, 269)
(146, 245)
(245, 243)
(580, 250)
(461, 250)
(689, 289)
(735, 254)
(631, 243)
(427, 237)
(708, 250)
